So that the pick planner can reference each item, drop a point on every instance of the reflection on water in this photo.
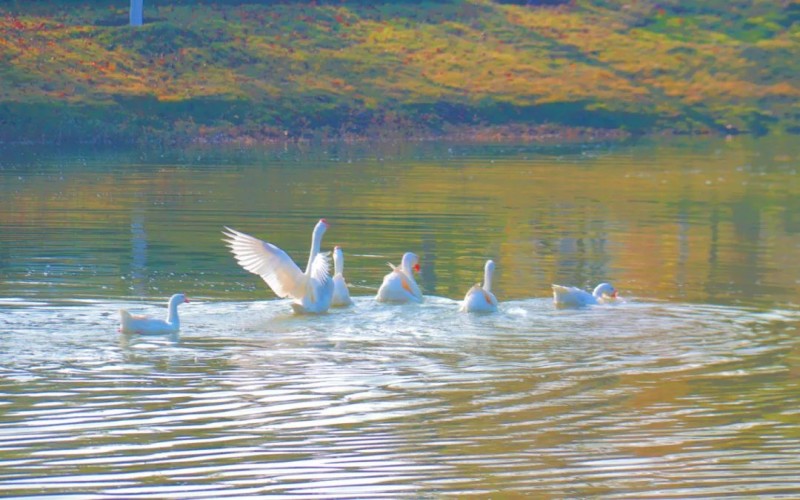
(688, 388)
(698, 221)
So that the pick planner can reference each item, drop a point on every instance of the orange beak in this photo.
(416, 267)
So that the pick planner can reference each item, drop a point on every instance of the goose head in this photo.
(320, 228)
(178, 298)
(410, 263)
(605, 290)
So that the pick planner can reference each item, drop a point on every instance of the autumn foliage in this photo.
(276, 70)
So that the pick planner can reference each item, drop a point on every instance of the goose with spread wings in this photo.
(311, 291)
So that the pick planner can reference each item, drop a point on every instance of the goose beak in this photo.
(416, 267)
(186, 300)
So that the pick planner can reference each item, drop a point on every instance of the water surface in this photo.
(686, 388)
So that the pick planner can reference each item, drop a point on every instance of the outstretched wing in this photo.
(320, 267)
(268, 261)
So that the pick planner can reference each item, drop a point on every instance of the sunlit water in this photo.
(688, 387)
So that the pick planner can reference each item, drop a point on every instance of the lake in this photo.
(689, 386)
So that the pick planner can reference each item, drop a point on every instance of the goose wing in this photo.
(320, 267)
(274, 266)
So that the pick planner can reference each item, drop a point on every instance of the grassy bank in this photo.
(239, 70)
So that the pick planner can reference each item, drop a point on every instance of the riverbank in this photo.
(241, 72)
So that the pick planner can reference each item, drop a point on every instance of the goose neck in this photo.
(316, 242)
(338, 261)
(172, 314)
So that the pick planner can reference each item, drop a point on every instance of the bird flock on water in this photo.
(314, 291)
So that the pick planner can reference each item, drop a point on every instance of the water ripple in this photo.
(637, 400)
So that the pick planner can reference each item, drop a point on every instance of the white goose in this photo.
(399, 286)
(481, 299)
(311, 290)
(570, 296)
(341, 295)
(134, 323)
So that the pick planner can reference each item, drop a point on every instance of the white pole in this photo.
(136, 12)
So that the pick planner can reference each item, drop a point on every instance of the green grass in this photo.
(76, 71)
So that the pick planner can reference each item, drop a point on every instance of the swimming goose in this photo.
(570, 296)
(399, 286)
(480, 298)
(135, 323)
(341, 295)
(311, 290)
